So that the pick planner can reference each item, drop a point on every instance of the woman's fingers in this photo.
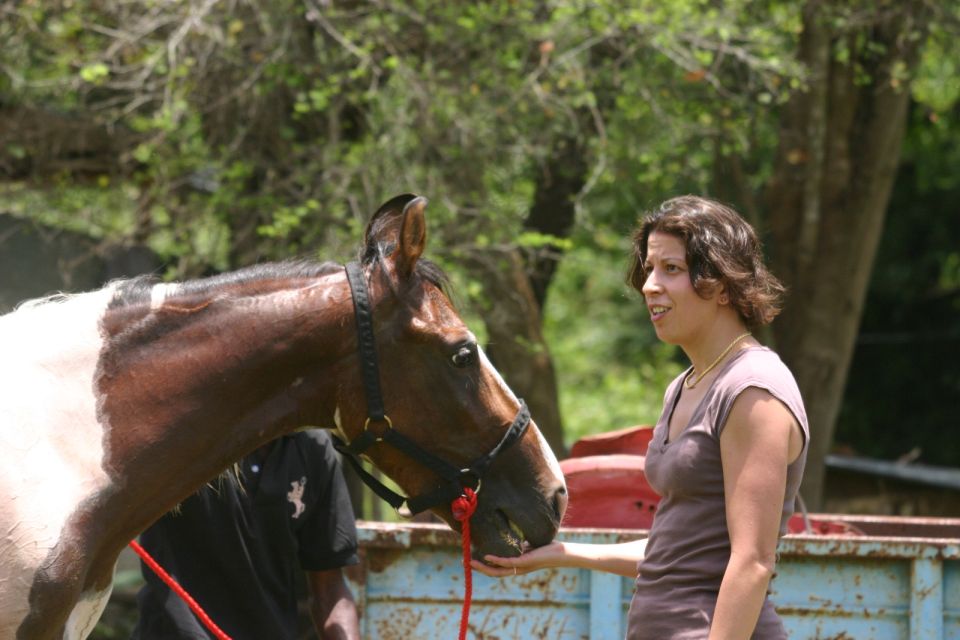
(530, 560)
(494, 571)
(498, 567)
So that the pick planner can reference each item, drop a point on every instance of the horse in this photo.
(120, 403)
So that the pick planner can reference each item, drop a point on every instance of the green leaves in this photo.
(95, 73)
(255, 131)
(288, 219)
(611, 368)
(535, 240)
(938, 78)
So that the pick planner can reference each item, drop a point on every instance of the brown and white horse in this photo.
(118, 404)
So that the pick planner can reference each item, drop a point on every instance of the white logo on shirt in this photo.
(295, 496)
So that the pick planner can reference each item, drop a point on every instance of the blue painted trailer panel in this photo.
(865, 587)
(410, 585)
(951, 600)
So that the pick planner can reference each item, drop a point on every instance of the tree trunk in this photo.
(826, 202)
(515, 340)
(519, 280)
(554, 210)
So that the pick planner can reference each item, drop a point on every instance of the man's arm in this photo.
(332, 607)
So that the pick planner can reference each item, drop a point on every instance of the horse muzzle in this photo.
(508, 520)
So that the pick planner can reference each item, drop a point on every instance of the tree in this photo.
(827, 199)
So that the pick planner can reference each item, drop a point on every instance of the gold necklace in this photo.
(691, 385)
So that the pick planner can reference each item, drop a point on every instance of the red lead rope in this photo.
(180, 591)
(463, 507)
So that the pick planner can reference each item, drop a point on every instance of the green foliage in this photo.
(99, 211)
(269, 131)
(256, 131)
(351, 105)
(95, 73)
(611, 368)
(938, 78)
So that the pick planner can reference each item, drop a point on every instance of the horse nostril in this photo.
(560, 502)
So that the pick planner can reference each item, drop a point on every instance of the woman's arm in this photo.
(619, 558)
(760, 439)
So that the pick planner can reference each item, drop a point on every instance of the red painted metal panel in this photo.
(608, 491)
(630, 440)
(607, 487)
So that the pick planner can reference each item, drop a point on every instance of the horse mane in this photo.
(58, 297)
(138, 290)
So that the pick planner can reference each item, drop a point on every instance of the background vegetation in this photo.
(221, 133)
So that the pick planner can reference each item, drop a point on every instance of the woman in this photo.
(728, 451)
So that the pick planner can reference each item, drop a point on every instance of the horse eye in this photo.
(464, 357)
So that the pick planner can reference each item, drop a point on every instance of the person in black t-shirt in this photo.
(241, 550)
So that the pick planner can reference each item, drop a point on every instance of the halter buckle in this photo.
(469, 474)
(379, 436)
(404, 511)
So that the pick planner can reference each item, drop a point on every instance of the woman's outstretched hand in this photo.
(620, 558)
(550, 555)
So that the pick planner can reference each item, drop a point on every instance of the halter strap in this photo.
(455, 478)
(367, 344)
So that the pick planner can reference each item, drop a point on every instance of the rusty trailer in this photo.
(899, 578)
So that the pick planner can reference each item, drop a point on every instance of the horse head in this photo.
(440, 391)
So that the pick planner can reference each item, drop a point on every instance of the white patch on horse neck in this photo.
(51, 443)
(322, 288)
(160, 292)
(338, 425)
(550, 457)
(85, 614)
(545, 449)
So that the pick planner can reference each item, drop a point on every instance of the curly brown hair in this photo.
(722, 250)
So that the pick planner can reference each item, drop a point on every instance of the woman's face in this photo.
(678, 313)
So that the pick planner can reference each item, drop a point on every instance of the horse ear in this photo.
(384, 225)
(398, 230)
(413, 236)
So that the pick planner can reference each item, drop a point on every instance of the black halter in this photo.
(455, 478)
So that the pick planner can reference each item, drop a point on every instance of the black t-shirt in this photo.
(240, 552)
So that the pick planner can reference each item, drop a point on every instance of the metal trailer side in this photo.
(860, 587)
(409, 586)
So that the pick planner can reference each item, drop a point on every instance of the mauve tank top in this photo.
(689, 546)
